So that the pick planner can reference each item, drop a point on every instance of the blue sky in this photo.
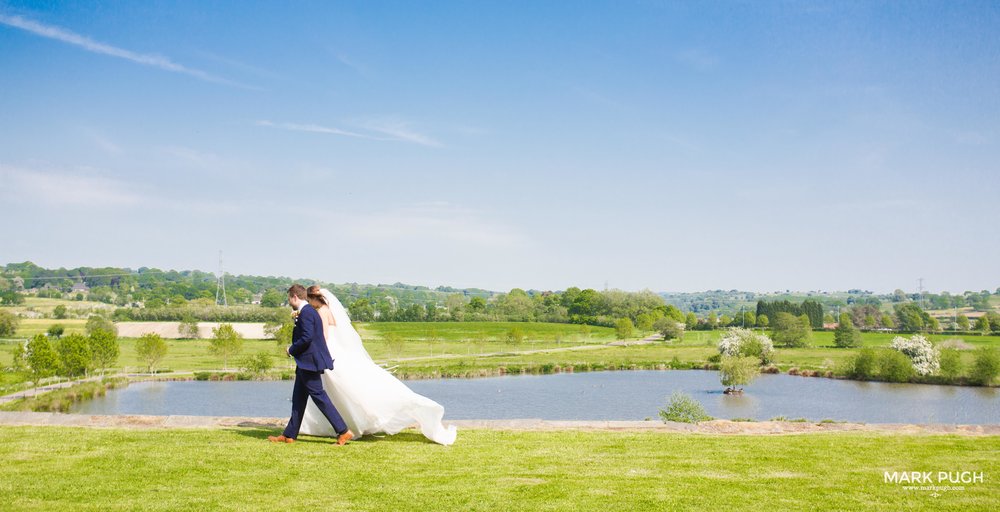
(676, 146)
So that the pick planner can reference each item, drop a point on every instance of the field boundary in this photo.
(719, 427)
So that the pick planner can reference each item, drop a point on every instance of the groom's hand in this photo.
(288, 351)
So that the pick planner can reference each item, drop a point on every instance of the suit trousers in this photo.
(309, 384)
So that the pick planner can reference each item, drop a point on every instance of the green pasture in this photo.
(78, 469)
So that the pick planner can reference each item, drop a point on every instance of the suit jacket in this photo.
(309, 343)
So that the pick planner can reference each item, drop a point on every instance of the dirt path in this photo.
(714, 427)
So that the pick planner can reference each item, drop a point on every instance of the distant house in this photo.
(80, 287)
(256, 299)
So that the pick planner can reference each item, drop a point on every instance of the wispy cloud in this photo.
(400, 130)
(347, 61)
(156, 61)
(315, 128)
(103, 142)
(66, 189)
(434, 222)
(697, 58)
(386, 130)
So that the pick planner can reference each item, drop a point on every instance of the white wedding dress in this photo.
(370, 399)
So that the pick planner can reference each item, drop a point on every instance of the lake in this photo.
(623, 395)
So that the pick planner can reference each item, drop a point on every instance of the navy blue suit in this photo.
(312, 358)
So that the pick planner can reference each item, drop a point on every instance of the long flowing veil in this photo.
(370, 399)
(345, 342)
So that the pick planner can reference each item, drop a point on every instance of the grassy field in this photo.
(50, 468)
(466, 342)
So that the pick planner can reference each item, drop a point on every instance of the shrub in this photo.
(684, 409)
(99, 323)
(56, 331)
(669, 328)
(258, 364)
(986, 366)
(923, 355)
(515, 336)
(8, 324)
(894, 366)
(188, 328)
(202, 375)
(951, 363)
(862, 365)
(739, 342)
(624, 328)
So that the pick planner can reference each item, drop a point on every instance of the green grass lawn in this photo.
(51, 468)
(471, 331)
(469, 341)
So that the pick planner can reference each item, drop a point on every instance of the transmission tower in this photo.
(920, 287)
(220, 286)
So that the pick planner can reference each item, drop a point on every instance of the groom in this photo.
(312, 358)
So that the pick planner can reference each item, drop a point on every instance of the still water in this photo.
(624, 395)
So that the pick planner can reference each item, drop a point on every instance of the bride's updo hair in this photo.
(313, 292)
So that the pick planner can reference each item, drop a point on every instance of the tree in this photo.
(455, 303)
(272, 299)
(226, 342)
(150, 348)
(789, 330)
(104, 348)
(11, 298)
(361, 310)
(8, 324)
(644, 322)
(476, 305)
(911, 318)
(515, 336)
(188, 327)
(56, 331)
(41, 357)
(624, 328)
(983, 325)
(99, 323)
(669, 328)
(887, 321)
(280, 332)
(845, 335)
(393, 343)
(738, 371)
(746, 343)
(986, 366)
(963, 322)
(59, 312)
(690, 320)
(763, 321)
(75, 357)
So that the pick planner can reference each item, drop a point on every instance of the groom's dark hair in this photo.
(297, 290)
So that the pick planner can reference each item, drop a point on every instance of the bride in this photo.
(368, 397)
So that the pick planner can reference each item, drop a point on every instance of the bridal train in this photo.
(370, 399)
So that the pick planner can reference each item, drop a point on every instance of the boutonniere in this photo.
(295, 316)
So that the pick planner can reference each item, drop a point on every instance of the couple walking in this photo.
(355, 397)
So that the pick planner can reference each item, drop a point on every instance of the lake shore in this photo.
(48, 419)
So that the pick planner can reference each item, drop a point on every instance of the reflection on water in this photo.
(631, 395)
